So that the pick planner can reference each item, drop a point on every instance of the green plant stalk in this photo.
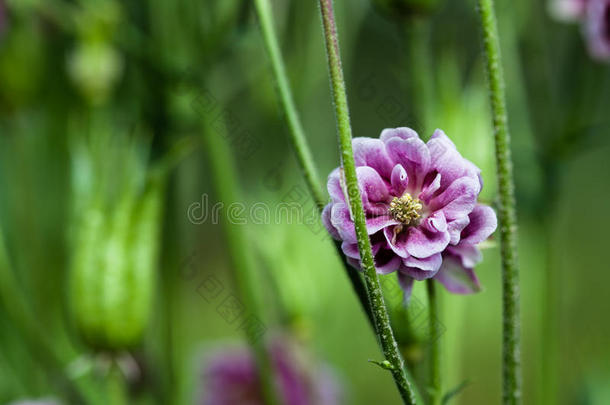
(297, 133)
(436, 390)
(298, 139)
(225, 181)
(116, 387)
(511, 365)
(380, 313)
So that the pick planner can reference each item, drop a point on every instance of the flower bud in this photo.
(95, 67)
(113, 270)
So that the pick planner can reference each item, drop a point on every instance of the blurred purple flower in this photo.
(231, 377)
(569, 10)
(597, 28)
(420, 201)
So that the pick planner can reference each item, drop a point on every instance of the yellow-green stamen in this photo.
(406, 209)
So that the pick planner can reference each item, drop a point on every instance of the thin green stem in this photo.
(511, 367)
(380, 313)
(116, 387)
(297, 133)
(436, 392)
(226, 185)
(298, 139)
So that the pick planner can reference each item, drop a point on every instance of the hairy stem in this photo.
(380, 313)
(298, 139)
(225, 181)
(436, 392)
(511, 365)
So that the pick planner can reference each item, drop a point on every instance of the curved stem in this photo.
(297, 134)
(299, 141)
(225, 182)
(380, 313)
(511, 366)
(435, 347)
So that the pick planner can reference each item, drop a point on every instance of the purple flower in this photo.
(420, 201)
(597, 28)
(569, 10)
(231, 377)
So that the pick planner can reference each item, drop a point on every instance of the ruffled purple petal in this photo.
(375, 224)
(396, 239)
(422, 243)
(413, 154)
(341, 220)
(458, 200)
(374, 191)
(336, 185)
(351, 249)
(386, 261)
(455, 229)
(401, 132)
(456, 278)
(406, 284)
(421, 269)
(343, 224)
(436, 222)
(372, 152)
(468, 255)
(355, 263)
(326, 212)
(447, 160)
(597, 27)
(430, 189)
(399, 180)
(483, 223)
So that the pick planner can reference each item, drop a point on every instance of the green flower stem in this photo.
(511, 368)
(380, 313)
(116, 387)
(436, 391)
(225, 181)
(298, 139)
(304, 157)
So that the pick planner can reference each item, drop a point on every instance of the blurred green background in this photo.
(87, 69)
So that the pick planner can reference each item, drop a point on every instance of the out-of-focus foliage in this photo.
(76, 79)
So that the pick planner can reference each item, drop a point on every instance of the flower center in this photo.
(406, 209)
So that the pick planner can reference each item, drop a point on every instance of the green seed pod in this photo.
(85, 273)
(129, 292)
(116, 246)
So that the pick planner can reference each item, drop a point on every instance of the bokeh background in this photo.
(149, 70)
